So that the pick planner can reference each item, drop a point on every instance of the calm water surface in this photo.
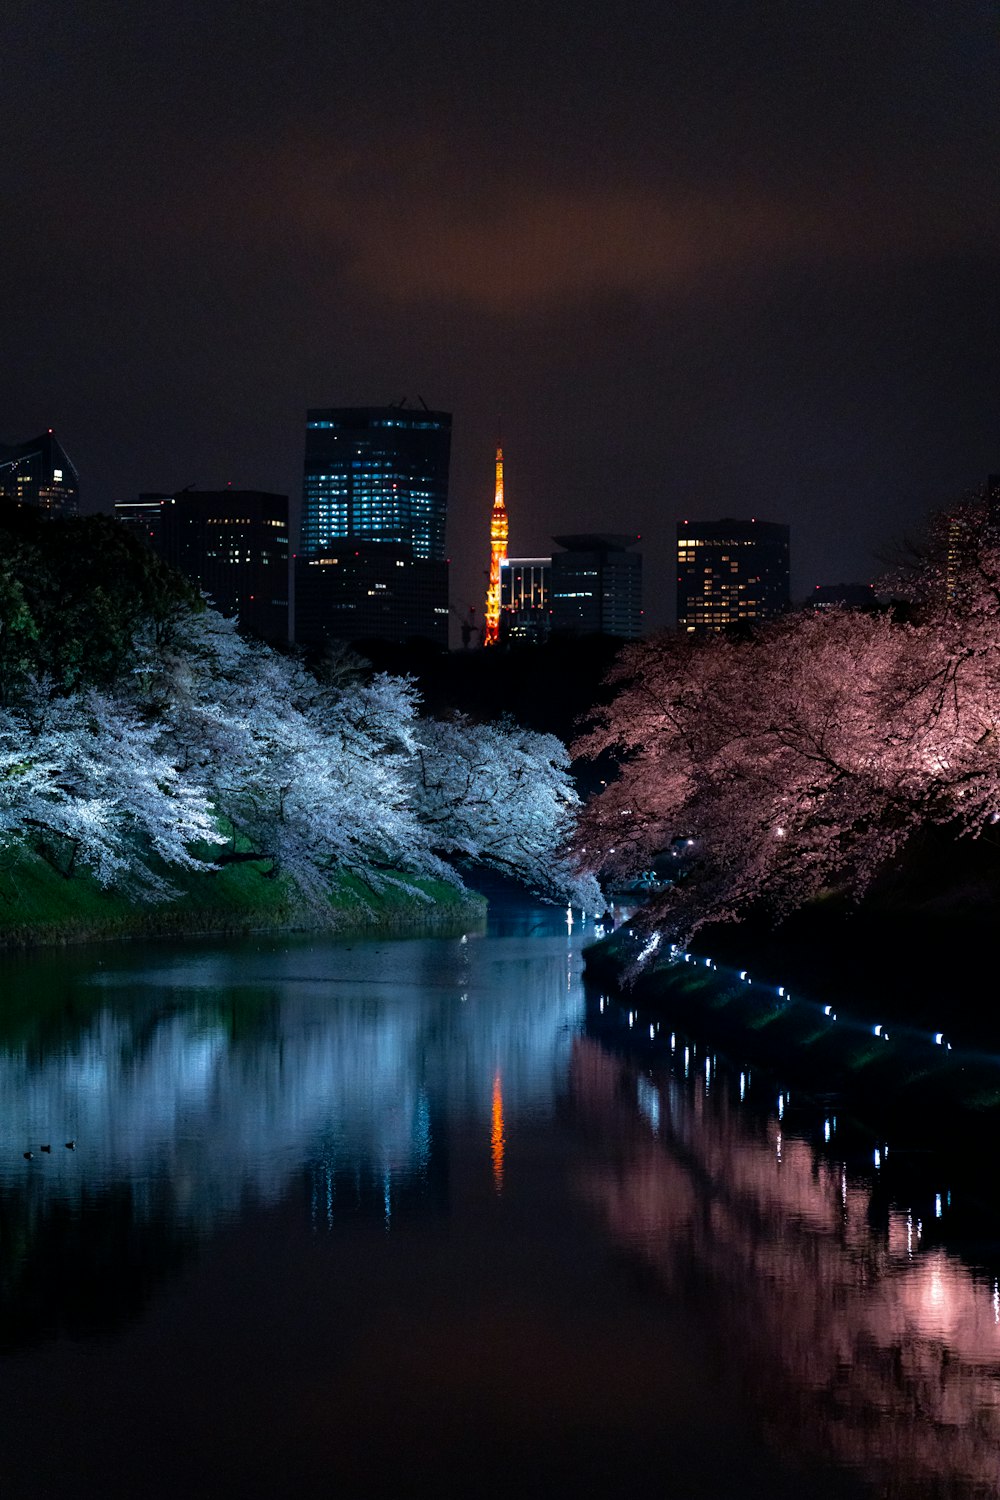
(360, 1218)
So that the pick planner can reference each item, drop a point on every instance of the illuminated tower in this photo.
(498, 555)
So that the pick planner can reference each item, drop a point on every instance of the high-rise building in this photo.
(498, 556)
(38, 473)
(597, 585)
(992, 498)
(379, 473)
(975, 520)
(525, 598)
(360, 591)
(143, 516)
(730, 572)
(234, 545)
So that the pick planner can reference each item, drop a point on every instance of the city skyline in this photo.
(372, 512)
(720, 261)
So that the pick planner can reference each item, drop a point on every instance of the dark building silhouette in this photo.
(992, 497)
(234, 545)
(730, 572)
(525, 598)
(379, 473)
(358, 590)
(860, 596)
(38, 473)
(597, 585)
(143, 516)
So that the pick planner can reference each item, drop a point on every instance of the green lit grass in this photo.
(40, 906)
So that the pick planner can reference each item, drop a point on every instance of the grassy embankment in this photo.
(39, 906)
(902, 1079)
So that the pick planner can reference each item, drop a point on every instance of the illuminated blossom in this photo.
(806, 757)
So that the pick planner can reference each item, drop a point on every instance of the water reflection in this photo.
(454, 1107)
(195, 1083)
(497, 1136)
(858, 1342)
(190, 1077)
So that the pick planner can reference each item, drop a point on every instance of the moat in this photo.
(360, 1217)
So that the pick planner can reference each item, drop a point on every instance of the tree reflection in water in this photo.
(859, 1345)
(341, 1091)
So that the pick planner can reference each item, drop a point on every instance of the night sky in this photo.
(704, 259)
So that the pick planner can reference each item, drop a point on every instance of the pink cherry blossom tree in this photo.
(807, 757)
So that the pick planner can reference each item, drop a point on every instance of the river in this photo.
(364, 1218)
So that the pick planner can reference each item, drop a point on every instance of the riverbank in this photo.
(39, 907)
(897, 1072)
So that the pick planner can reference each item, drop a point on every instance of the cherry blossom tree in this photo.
(216, 749)
(339, 771)
(309, 776)
(804, 758)
(501, 795)
(85, 785)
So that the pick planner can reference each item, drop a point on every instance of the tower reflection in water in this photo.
(348, 1085)
(221, 1089)
(496, 1135)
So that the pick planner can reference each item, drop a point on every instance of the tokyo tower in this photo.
(498, 555)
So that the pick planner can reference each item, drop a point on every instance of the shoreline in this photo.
(42, 910)
(895, 1074)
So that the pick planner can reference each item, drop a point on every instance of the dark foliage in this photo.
(74, 596)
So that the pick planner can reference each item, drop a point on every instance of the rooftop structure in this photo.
(525, 598)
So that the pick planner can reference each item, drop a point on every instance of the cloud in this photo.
(415, 225)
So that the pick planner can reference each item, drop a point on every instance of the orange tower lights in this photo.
(498, 555)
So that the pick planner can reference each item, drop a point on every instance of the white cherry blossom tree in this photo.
(501, 795)
(84, 784)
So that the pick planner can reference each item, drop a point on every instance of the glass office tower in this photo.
(597, 585)
(378, 473)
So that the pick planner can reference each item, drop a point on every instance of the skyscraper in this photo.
(378, 473)
(973, 521)
(498, 556)
(992, 499)
(597, 585)
(365, 591)
(234, 545)
(39, 474)
(729, 572)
